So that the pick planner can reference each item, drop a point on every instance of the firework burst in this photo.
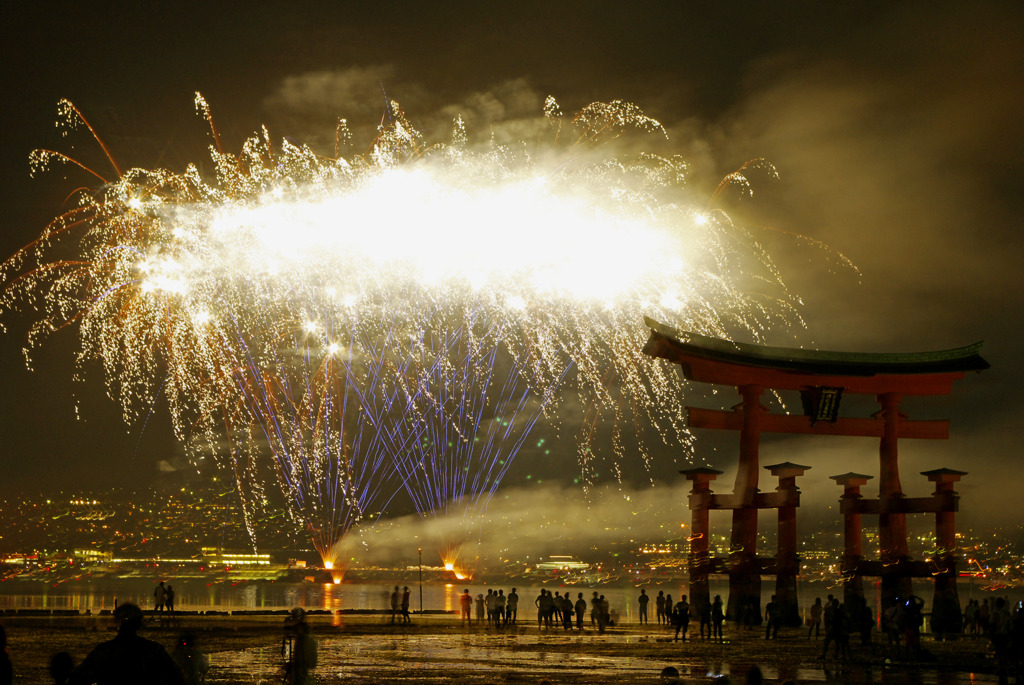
(397, 320)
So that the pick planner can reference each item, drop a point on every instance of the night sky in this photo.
(895, 128)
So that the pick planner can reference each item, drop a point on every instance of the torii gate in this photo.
(821, 378)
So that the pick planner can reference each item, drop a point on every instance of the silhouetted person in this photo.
(913, 619)
(681, 617)
(500, 600)
(642, 600)
(169, 601)
(602, 614)
(717, 617)
(1001, 634)
(815, 620)
(842, 632)
(659, 607)
(754, 676)
(580, 608)
(6, 667)
(127, 659)
(567, 610)
(159, 597)
(190, 660)
(466, 602)
(394, 604)
(480, 607)
(61, 666)
(405, 605)
(670, 675)
(512, 607)
(303, 658)
(704, 615)
(831, 626)
(771, 611)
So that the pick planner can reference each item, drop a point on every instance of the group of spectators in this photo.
(553, 610)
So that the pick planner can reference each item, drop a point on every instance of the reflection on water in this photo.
(225, 595)
(527, 656)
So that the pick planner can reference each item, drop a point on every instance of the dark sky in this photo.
(895, 127)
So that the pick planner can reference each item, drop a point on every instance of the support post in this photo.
(698, 562)
(892, 523)
(946, 615)
(744, 569)
(853, 583)
(787, 562)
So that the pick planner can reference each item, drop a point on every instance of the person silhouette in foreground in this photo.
(192, 662)
(6, 668)
(127, 659)
(61, 666)
(303, 657)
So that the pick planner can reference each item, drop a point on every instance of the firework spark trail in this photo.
(480, 405)
(292, 301)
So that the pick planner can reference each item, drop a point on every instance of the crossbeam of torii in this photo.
(822, 378)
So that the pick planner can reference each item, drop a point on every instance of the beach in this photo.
(365, 647)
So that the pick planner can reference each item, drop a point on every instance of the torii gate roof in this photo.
(714, 360)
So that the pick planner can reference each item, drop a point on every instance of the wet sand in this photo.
(438, 648)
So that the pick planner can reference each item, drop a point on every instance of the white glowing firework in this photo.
(341, 319)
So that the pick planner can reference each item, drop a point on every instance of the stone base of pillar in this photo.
(947, 617)
(786, 597)
(745, 594)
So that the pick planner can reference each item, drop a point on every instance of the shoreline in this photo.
(363, 646)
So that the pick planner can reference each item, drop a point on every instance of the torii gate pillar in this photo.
(946, 615)
(787, 562)
(699, 559)
(853, 582)
(744, 568)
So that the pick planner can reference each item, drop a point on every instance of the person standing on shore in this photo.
(771, 629)
(512, 607)
(717, 617)
(681, 617)
(169, 603)
(394, 604)
(568, 611)
(499, 608)
(303, 658)
(405, 605)
(815, 620)
(466, 602)
(581, 610)
(642, 600)
(159, 597)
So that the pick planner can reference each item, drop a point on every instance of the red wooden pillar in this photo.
(698, 562)
(853, 584)
(946, 615)
(787, 562)
(744, 570)
(892, 522)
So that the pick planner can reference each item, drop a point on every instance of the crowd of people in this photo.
(130, 658)
(499, 610)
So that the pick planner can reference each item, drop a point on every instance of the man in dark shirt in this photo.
(127, 659)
